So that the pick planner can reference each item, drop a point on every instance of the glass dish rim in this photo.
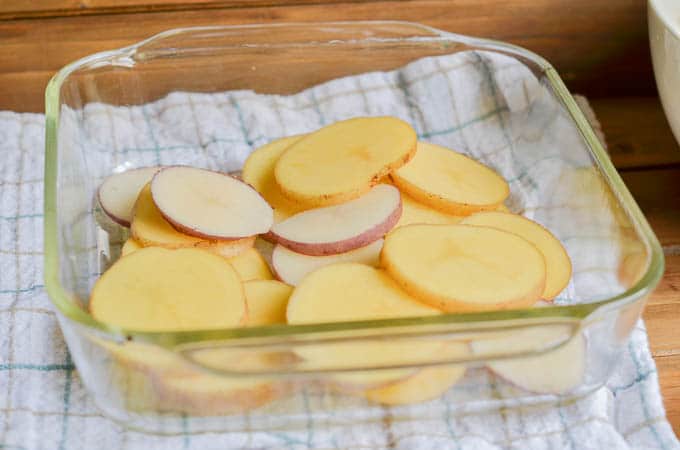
(67, 307)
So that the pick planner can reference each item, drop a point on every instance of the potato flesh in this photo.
(463, 267)
(426, 384)
(155, 289)
(340, 228)
(150, 229)
(351, 291)
(292, 267)
(250, 265)
(342, 161)
(450, 181)
(118, 193)
(258, 171)
(209, 204)
(130, 246)
(415, 212)
(557, 262)
(267, 301)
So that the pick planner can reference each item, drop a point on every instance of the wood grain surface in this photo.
(599, 47)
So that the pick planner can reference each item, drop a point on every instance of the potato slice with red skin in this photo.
(155, 289)
(258, 171)
(351, 291)
(150, 229)
(118, 193)
(341, 228)
(292, 267)
(450, 182)
(209, 204)
(463, 267)
(342, 161)
(557, 262)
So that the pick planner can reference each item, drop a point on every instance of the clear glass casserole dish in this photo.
(242, 86)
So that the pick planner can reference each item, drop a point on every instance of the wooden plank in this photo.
(588, 41)
(657, 192)
(637, 132)
(663, 310)
(669, 378)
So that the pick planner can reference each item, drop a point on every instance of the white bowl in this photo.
(664, 38)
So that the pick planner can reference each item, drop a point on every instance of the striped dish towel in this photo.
(481, 104)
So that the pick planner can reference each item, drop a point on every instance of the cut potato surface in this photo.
(557, 262)
(250, 265)
(204, 394)
(554, 372)
(258, 171)
(130, 246)
(426, 384)
(267, 301)
(341, 228)
(292, 267)
(415, 212)
(155, 289)
(342, 161)
(450, 181)
(209, 204)
(150, 229)
(464, 268)
(351, 291)
(118, 193)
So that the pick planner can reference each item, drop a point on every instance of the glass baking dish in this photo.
(251, 378)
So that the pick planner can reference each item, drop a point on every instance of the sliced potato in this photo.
(258, 171)
(463, 267)
(352, 291)
(209, 204)
(344, 160)
(426, 384)
(450, 181)
(557, 262)
(155, 289)
(118, 193)
(292, 267)
(150, 229)
(415, 212)
(130, 246)
(250, 265)
(267, 301)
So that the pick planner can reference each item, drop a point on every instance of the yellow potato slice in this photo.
(250, 265)
(149, 228)
(450, 181)
(557, 262)
(130, 246)
(426, 384)
(352, 291)
(205, 394)
(503, 208)
(155, 289)
(258, 171)
(344, 160)
(267, 301)
(415, 212)
(464, 268)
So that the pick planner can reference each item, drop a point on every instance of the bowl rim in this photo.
(656, 8)
(578, 313)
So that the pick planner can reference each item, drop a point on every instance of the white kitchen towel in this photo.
(484, 105)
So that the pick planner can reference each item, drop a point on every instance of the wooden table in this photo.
(600, 47)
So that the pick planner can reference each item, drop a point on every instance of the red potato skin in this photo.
(333, 248)
(118, 220)
(191, 231)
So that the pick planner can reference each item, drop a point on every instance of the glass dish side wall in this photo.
(285, 60)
